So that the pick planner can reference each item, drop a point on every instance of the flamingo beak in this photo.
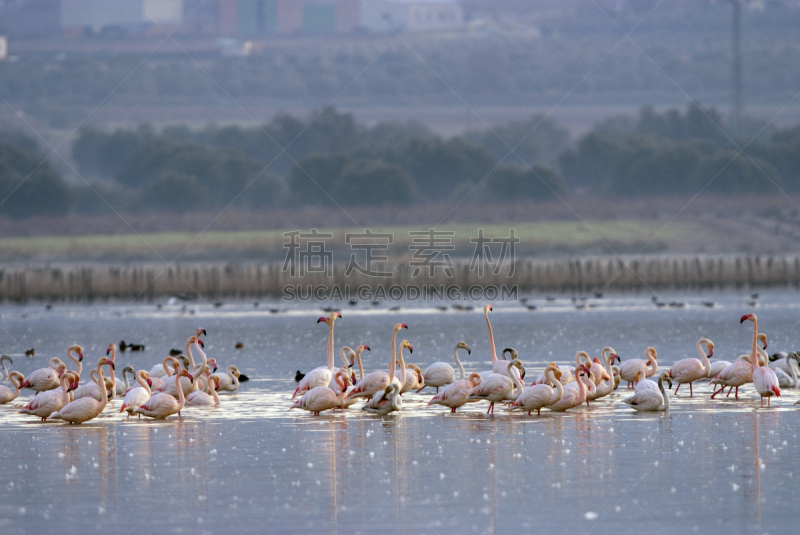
(149, 382)
(322, 320)
(200, 343)
(111, 363)
(108, 351)
(745, 317)
(711, 352)
(339, 315)
(367, 348)
(80, 356)
(191, 379)
(403, 326)
(490, 308)
(410, 348)
(204, 332)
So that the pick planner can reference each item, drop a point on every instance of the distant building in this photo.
(411, 15)
(256, 18)
(78, 16)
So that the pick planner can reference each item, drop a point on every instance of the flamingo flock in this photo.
(163, 391)
(180, 382)
(559, 388)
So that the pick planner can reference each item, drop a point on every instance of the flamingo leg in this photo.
(737, 393)
(691, 390)
(539, 412)
(729, 391)
(676, 390)
(529, 413)
(453, 409)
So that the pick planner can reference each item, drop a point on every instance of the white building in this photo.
(411, 15)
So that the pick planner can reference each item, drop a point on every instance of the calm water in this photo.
(252, 467)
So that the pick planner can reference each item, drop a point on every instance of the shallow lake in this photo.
(252, 467)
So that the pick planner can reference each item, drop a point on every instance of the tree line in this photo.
(328, 158)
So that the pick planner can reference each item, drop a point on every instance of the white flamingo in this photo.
(137, 394)
(498, 366)
(161, 405)
(6, 394)
(385, 402)
(4, 373)
(439, 374)
(607, 385)
(205, 397)
(651, 400)
(229, 381)
(320, 376)
(92, 388)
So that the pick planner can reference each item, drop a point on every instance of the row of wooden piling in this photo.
(214, 280)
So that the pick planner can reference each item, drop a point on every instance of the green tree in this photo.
(375, 184)
(174, 191)
(539, 182)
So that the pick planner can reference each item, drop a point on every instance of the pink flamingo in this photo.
(629, 369)
(6, 394)
(45, 378)
(205, 397)
(538, 396)
(52, 400)
(375, 382)
(574, 393)
(161, 405)
(691, 370)
(84, 409)
(764, 378)
(455, 394)
(322, 398)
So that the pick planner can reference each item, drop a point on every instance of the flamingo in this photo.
(439, 374)
(360, 349)
(573, 394)
(229, 381)
(691, 370)
(168, 384)
(322, 398)
(77, 358)
(402, 364)
(86, 408)
(764, 378)
(719, 365)
(787, 380)
(378, 381)
(605, 388)
(137, 394)
(538, 396)
(4, 373)
(48, 402)
(567, 372)
(161, 405)
(499, 366)
(6, 394)
(496, 387)
(414, 379)
(455, 394)
(385, 402)
(93, 388)
(205, 397)
(642, 383)
(629, 369)
(785, 364)
(321, 376)
(45, 378)
(598, 366)
(651, 400)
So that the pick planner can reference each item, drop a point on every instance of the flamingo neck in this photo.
(76, 360)
(517, 382)
(64, 394)
(665, 405)
(704, 357)
(197, 370)
(392, 355)
(402, 366)
(181, 398)
(491, 337)
(360, 366)
(103, 390)
(143, 383)
(754, 352)
(189, 352)
(331, 358)
(458, 363)
(559, 387)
